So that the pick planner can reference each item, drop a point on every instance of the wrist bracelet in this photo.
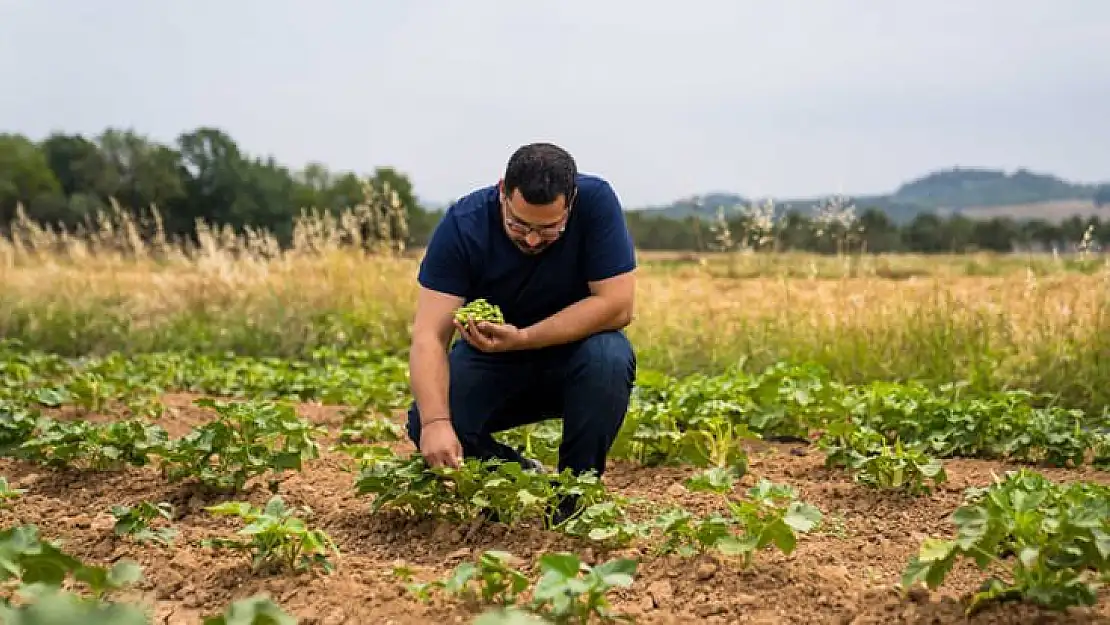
(435, 420)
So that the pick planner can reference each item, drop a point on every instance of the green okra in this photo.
(479, 310)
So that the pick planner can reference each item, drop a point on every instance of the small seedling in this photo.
(257, 610)
(7, 493)
(135, 521)
(490, 580)
(277, 536)
(570, 591)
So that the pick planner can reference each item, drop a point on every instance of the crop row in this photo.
(891, 436)
(693, 419)
(1053, 540)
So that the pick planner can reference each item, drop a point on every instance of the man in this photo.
(550, 247)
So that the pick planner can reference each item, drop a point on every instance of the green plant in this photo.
(567, 591)
(258, 610)
(688, 535)
(509, 616)
(245, 440)
(503, 490)
(277, 537)
(875, 462)
(719, 480)
(570, 591)
(135, 521)
(771, 515)
(7, 493)
(84, 444)
(369, 429)
(32, 562)
(1053, 539)
(487, 581)
(43, 604)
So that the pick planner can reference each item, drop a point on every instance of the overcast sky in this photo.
(666, 99)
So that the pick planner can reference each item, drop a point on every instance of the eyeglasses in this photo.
(547, 233)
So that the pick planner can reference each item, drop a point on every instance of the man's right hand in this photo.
(439, 445)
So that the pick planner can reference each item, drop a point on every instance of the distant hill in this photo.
(977, 192)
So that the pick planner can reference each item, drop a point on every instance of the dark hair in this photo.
(541, 171)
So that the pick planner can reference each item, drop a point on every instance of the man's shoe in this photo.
(564, 510)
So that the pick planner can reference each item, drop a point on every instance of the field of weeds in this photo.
(214, 433)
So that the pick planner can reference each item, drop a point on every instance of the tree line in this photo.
(203, 175)
(872, 231)
(67, 179)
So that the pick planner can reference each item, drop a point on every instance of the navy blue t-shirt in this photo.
(471, 256)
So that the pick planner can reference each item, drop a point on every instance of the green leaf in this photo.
(566, 565)
(619, 572)
(733, 546)
(1027, 502)
(782, 536)
(802, 517)
(508, 616)
(934, 549)
(257, 610)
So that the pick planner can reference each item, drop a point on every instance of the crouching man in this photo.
(549, 245)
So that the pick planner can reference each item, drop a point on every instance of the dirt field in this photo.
(843, 574)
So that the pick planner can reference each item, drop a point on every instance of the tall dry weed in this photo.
(1014, 321)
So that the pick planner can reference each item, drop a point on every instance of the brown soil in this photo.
(845, 574)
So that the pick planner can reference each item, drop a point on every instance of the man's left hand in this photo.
(492, 337)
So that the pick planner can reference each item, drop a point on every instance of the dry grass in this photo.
(1039, 323)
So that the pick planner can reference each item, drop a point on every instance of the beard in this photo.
(531, 251)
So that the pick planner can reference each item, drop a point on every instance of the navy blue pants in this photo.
(587, 384)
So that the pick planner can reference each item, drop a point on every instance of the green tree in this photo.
(80, 166)
(25, 176)
(213, 173)
(143, 174)
(880, 234)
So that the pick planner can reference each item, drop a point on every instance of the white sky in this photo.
(782, 97)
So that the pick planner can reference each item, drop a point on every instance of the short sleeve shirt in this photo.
(471, 256)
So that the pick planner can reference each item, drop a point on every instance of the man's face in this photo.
(533, 227)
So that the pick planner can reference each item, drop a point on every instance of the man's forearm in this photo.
(428, 376)
(577, 321)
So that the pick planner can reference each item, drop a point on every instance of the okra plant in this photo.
(571, 591)
(1053, 539)
(7, 493)
(877, 463)
(96, 446)
(135, 521)
(28, 560)
(771, 514)
(257, 610)
(567, 590)
(278, 537)
(504, 490)
(490, 580)
(245, 440)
